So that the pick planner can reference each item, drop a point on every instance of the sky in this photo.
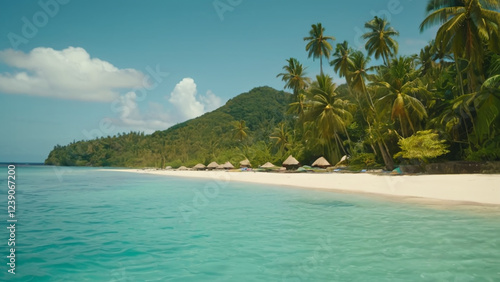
(75, 70)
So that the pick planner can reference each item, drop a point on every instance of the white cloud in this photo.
(190, 105)
(185, 99)
(211, 101)
(155, 118)
(68, 74)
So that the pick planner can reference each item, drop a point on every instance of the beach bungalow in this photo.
(321, 162)
(245, 163)
(182, 168)
(267, 165)
(228, 165)
(291, 163)
(212, 165)
(199, 167)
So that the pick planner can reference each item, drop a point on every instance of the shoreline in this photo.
(466, 188)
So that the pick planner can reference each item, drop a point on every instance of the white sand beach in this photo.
(472, 188)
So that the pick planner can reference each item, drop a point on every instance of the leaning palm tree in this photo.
(330, 115)
(294, 76)
(465, 26)
(380, 39)
(318, 45)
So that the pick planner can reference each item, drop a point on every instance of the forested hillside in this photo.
(233, 132)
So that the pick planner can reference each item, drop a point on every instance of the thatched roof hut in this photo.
(199, 167)
(168, 167)
(228, 165)
(321, 162)
(291, 163)
(267, 165)
(182, 168)
(221, 166)
(212, 165)
(245, 163)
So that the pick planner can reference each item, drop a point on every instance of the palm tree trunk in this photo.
(321, 64)
(389, 163)
(459, 76)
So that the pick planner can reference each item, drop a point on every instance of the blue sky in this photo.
(74, 69)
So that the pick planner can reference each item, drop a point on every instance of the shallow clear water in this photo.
(81, 224)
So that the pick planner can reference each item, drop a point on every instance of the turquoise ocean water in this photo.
(82, 224)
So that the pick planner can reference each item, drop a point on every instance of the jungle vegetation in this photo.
(450, 91)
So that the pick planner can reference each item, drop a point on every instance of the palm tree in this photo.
(342, 62)
(294, 76)
(240, 130)
(329, 114)
(402, 89)
(359, 73)
(318, 45)
(281, 136)
(465, 26)
(380, 39)
(299, 107)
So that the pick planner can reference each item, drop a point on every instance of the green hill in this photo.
(210, 137)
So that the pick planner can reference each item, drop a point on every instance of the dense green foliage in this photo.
(452, 87)
(423, 145)
(214, 136)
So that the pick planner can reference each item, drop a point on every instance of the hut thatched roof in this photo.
(245, 163)
(321, 162)
(168, 167)
(221, 166)
(267, 165)
(291, 161)
(212, 165)
(182, 168)
(228, 165)
(199, 166)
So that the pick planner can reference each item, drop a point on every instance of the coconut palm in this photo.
(240, 130)
(318, 45)
(294, 76)
(342, 61)
(402, 89)
(359, 72)
(299, 106)
(380, 39)
(329, 114)
(465, 25)
(282, 137)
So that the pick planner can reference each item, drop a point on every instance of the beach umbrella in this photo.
(199, 166)
(212, 165)
(267, 165)
(228, 165)
(321, 162)
(245, 163)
